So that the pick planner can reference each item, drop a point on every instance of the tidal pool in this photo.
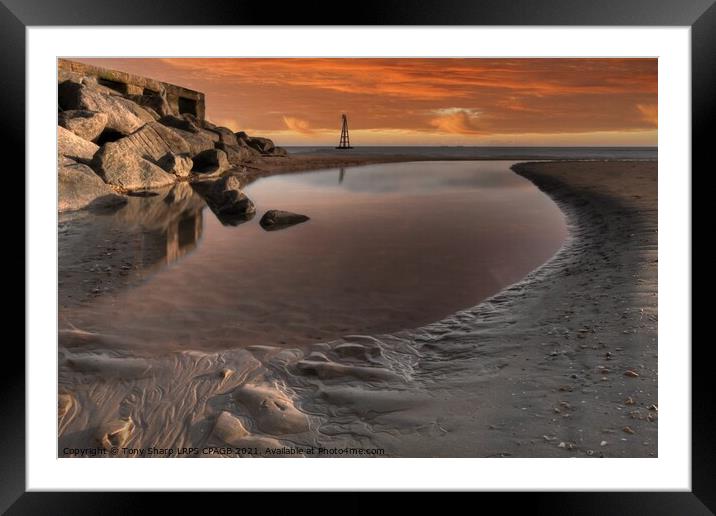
(387, 247)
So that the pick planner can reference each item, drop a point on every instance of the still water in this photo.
(387, 247)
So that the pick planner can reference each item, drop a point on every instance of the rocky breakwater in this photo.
(112, 144)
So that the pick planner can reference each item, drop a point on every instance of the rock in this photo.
(178, 164)
(278, 219)
(227, 201)
(153, 141)
(91, 82)
(279, 151)
(141, 113)
(128, 170)
(183, 123)
(237, 155)
(88, 125)
(198, 142)
(226, 136)
(631, 374)
(263, 145)
(628, 430)
(156, 103)
(74, 147)
(73, 96)
(79, 187)
(211, 162)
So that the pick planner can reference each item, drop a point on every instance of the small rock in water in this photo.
(278, 219)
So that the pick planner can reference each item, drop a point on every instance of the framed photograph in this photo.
(444, 248)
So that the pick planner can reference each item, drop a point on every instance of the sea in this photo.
(497, 153)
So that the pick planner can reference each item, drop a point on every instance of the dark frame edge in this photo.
(12, 382)
(703, 113)
(702, 499)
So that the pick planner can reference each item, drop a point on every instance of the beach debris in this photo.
(629, 401)
(603, 443)
(279, 219)
(628, 430)
(653, 407)
(631, 374)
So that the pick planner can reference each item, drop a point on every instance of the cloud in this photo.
(457, 121)
(649, 113)
(298, 125)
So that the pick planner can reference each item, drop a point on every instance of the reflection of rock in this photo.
(79, 187)
(85, 124)
(225, 198)
(164, 227)
(278, 219)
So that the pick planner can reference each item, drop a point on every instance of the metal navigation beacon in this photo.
(345, 142)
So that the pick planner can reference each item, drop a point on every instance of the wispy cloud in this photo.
(649, 113)
(457, 121)
(298, 125)
(407, 100)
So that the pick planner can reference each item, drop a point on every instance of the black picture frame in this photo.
(699, 15)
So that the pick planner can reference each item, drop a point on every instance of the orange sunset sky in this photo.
(422, 101)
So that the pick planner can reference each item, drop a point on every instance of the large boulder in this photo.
(178, 164)
(263, 145)
(120, 118)
(153, 141)
(237, 155)
(198, 142)
(212, 162)
(180, 122)
(279, 219)
(143, 114)
(79, 187)
(127, 169)
(72, 146)
(225, 198)
(226, 136)
(157, 103)
(88, 125)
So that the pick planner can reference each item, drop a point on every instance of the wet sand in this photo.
(564, 363)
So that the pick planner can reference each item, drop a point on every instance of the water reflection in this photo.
(390, 247)
(105, 251)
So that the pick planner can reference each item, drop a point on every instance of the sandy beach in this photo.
(563, 363)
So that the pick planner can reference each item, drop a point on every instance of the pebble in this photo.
(631, 374)
(603, 443)
(628, 430)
